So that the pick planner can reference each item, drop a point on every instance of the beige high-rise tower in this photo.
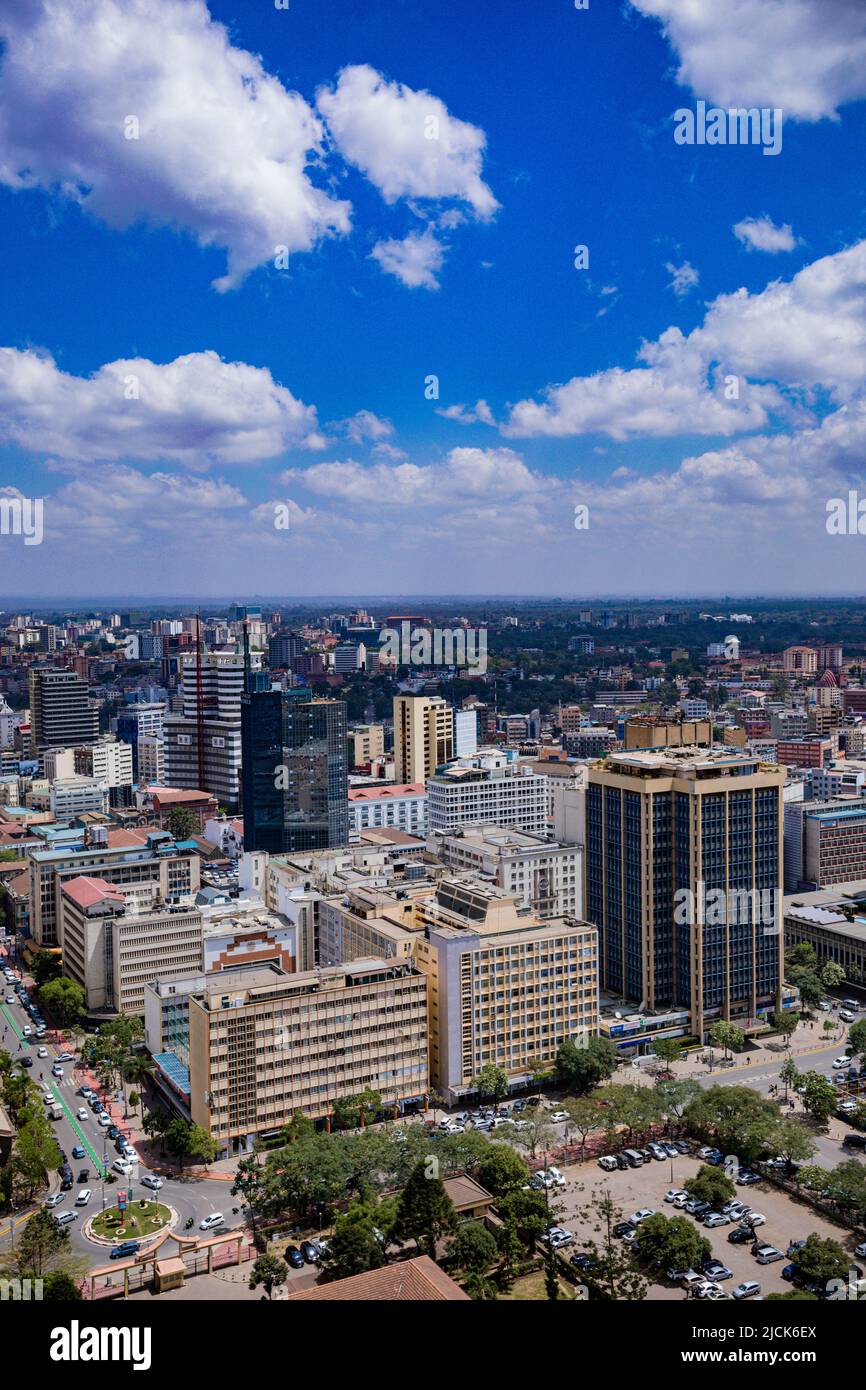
(423, 736)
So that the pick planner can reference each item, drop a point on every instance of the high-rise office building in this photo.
(295, 783)
(665, 830)
(140, 720)
(61, 714)
(423, 736)
(222, 683)
(284, 648)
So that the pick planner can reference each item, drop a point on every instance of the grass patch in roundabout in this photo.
(140, 1220)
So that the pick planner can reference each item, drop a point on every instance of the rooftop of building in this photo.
(87, 892)
(499, 839)
(418, 1280)
(258, 984)
(387, 793)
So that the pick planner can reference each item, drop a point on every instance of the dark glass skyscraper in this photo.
(294, 771)
(683, 880)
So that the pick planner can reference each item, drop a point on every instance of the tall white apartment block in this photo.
(487, 789)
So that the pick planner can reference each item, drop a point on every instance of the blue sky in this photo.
(555, 129)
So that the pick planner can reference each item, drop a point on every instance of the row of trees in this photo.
(34, 1150)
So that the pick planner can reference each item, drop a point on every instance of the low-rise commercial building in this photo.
(543, 875)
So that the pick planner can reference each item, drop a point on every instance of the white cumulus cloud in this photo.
(415, 260)
(405, 142)
(806, 56)
(223, 151)
(762, 234)
(197, 410)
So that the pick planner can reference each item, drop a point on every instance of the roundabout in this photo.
(141, 1220)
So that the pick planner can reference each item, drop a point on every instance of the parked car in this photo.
(66, 1056)
(81, 1113)
(748, 1289)
(740, 1235)
(104, 1120)
(706, 1287)
(746, 1178)
(294, 1257)
(558, 1116)
(767, 1254)
(310, 1251)
(622, 1228)
(691, 1280)
(682, 1146)
(112, 1132)
(556, 1177)
(583, 1261)
(121, 1166)
(84, 1175)
(860, 1249)
(560, 1236)
(608, 1163)
(674, 1192)
(622, 1162)
(716, 1218)
(641, 1215)
(695, 1207)
(755, 1218)
(714, 1269)
(846, 1015)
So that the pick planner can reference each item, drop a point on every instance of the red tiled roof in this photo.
(377, 793)
(165, 796)
(410, 1281)
(86, 891)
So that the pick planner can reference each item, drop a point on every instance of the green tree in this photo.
(492, 1083)
(786, 1022)
(41, 1243)
(736, 1118)
(819, 1097)
(671, 1243)
(62, 1287)
(789, 1074)
(857, 1038)
(352, 1249)
(612, 1276)
(832, 974)
(502, 1170)
(809, 984)
(821, 1259)
(676, 1094)
(582, 1063)
(200, 1145)
(584, 1117)
(668, 1050)
(711, 1185)
(727, 1036)
(473, 1249)
(177, 1138)
(46, 966)
(803, 956)
(181, 823)
(425, 1212)
(269, 1271)
(791, 1140)
(63, 998)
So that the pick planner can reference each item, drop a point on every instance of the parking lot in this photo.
(787, 1218)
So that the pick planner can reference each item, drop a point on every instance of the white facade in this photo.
(543, 876)
(402, 807)
(487, 789)
(151, 759)
(465, 733)
(78, 796)
(112, 763)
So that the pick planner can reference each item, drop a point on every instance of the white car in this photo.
(559, 1236)
(150, 1181)
(679, 1202)
(54, 1199)
(10, 998)
(66, 1056)
(130, 1155)
(556, 1177)
(27, 1030)
(121, 1166)
(841, 1061)
(104, 1119)
(754, 1218)
(674, 1192)
(558, 1116)
(706, 1288)
(608, 1163)
(641, 1215)
(81, 1113)
(83, 1197)
(216, 1218)
(42, 1052)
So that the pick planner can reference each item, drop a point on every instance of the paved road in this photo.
(190, 1197)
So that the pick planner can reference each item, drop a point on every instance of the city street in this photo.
(194, 1196)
